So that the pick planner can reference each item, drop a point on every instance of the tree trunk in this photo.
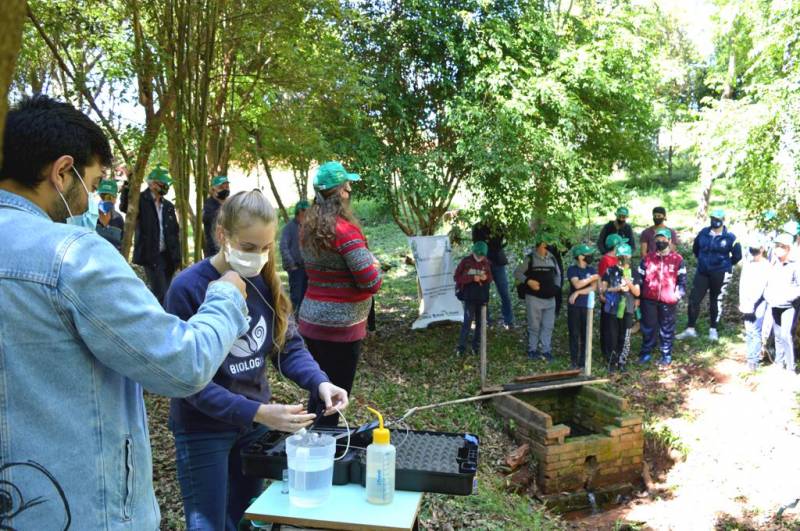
(12, 17)
(151, 130)
(704, 199)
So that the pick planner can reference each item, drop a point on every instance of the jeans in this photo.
(215, 492)
(785, 320)
(501, 283)
(658, 323)
(576, 324)
(716, 284)
(159, 275)
(541, 318)
(753, 334)
(472, 312)
(298, 283)
(339, 361)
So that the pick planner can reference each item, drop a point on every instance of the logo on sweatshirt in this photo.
(252, 341)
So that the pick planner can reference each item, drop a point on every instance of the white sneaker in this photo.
(712, 334)
(689, 332)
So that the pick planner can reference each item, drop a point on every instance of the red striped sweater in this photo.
(341, 283)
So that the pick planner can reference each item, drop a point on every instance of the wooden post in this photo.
(482, 324)
(587, 365)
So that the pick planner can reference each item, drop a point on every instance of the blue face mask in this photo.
(89, 218)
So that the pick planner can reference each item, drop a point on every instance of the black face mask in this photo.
(588, 259)
(163, 189)
(658, 221)
(716, 223)
(620, 221)
(755, 251)
(662, 244)
(223, 194)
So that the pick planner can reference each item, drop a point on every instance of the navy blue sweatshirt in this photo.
(716, 252)
(240, 385)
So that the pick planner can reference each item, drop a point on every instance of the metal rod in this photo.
(482, 329)
(477, 398)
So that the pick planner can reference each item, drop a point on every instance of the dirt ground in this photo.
(742, 464)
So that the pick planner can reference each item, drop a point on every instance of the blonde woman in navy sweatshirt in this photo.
(213, 426)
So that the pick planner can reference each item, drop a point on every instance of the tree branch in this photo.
(81, 86)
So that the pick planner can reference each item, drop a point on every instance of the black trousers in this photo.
(159, 275)
(617, 336)
(714, 283)
(339, 361)
(576, 324)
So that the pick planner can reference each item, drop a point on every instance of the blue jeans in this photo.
(472, 312)
(752, 333)
(215, 493)
(501, 283)
(298, 283)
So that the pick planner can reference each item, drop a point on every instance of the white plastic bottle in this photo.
(380, 465)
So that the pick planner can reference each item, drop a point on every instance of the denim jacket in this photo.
(80, 336)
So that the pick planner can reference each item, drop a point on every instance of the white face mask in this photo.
(246, 264)
(780, 252)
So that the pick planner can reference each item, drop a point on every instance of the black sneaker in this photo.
(533, 355)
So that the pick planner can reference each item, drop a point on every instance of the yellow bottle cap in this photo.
(380, 435)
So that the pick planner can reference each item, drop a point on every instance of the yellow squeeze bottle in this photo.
(380, 465)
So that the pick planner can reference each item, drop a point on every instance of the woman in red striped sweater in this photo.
(343, 275)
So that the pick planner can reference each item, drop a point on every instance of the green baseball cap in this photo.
(219, 179)
(624, 249)
(159, 174)
(623, 211)
(784, 238)
(301, 205)
(665, 232)
(792, 227)
(543, 236)
(582, 249)
(612, 240)
(107, 186)
(480, 248)
(718, 213)
(756, 241)
(332, 174)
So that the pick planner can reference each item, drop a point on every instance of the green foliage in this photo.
(549, 115)
(753, 138)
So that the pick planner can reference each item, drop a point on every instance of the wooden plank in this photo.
(548, 376)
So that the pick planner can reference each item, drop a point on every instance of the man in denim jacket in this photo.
(81, 336)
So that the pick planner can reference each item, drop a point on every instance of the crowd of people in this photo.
(81, 335)
(646, 288)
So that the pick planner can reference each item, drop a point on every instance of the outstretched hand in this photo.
(335, 398)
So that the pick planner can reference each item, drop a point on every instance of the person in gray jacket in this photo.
(783, 294)
(539, 278)
(292, 258)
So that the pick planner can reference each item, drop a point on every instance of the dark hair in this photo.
(319, 227)
(660, 210)
(39, 130)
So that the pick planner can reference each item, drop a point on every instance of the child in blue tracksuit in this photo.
(212, 427)
(717, 251)
(473, 278)
(752, 303)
